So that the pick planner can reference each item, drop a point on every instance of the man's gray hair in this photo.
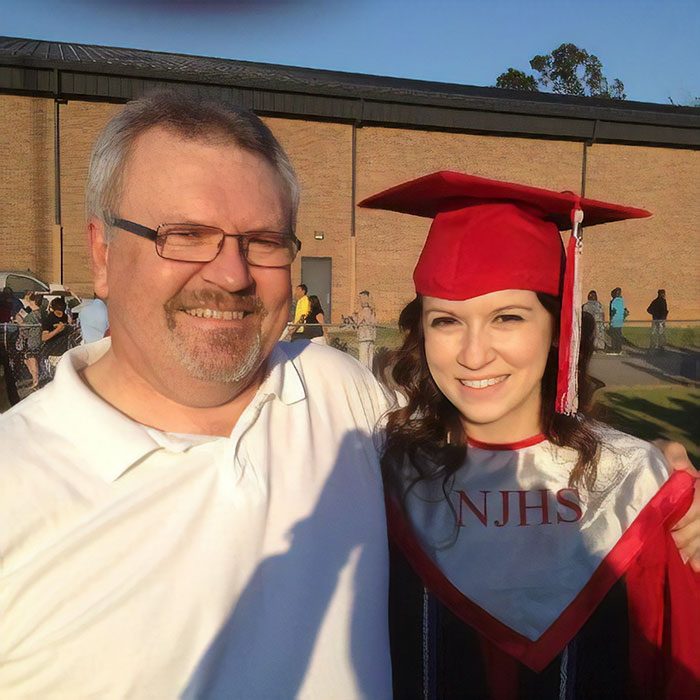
(192, 118)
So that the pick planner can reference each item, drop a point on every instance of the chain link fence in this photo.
(24, 357)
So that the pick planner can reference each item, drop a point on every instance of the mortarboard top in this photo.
(489, 235)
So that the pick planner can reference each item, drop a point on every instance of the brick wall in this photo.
(27, 185)
(322, 156)
(648, 254)
(81, 122)
(639, 256)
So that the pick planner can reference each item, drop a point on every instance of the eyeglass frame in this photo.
(243, 238)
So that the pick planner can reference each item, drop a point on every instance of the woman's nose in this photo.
(476, 350)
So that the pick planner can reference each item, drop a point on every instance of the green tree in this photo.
(567, 70)
(514, 79)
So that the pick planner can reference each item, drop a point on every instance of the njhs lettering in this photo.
(519, 508)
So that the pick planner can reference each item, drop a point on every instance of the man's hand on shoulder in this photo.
(686, 532)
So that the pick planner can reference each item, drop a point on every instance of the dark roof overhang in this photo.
(79, 71)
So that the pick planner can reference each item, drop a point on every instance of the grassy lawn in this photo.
(677, 337)
(387, 336)
(651, 412)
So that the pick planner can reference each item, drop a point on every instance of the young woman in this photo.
(313, 327)
(30, 318)
(541, 563)
(595, 309)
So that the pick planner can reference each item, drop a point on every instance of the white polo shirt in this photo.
(138, 564)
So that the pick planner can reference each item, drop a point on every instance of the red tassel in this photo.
(570, 324)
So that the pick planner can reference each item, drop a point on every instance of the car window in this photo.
(21, 284)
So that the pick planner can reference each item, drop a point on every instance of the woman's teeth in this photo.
(483, 383)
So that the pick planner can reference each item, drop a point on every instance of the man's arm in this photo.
(47, 334)
(686, 532)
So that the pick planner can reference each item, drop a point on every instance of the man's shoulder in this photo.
(323, 361)
(30, 433)
(335, 374)
(22, 421)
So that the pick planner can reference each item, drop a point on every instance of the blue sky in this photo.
(652, 46)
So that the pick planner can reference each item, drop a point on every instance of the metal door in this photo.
(316, 275)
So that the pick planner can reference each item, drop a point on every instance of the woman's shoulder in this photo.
(615, 441)
(625, 458)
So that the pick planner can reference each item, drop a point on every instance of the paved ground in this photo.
(635, 367)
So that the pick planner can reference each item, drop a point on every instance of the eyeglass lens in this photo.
(203, 243)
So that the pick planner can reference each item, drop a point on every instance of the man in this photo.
(217, 528)
(659, 313)
(191, 509)
(618, 314)
(365, 321)
(301, 309)
(55, 328)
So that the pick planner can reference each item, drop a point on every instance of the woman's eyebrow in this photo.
(512, 307)
(500, 309)
(440, 311)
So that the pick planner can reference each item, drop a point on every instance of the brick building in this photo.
(349, 136)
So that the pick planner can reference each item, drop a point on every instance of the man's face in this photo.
(299, 292)
(174, 321)
(364, 300)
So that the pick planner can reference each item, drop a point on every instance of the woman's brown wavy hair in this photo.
(425, 438)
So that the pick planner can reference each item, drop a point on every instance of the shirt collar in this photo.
(110, 441)
(283, 378)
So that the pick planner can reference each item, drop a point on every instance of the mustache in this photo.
(214, 299)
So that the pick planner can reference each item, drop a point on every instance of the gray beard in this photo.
(223, 356)
(240, 360)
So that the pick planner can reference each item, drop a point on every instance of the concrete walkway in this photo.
(636, 368)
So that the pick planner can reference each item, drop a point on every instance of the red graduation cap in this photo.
(488, 235)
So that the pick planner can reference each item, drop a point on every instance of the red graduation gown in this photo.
(632, 626)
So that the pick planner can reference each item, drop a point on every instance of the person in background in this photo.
(312, 328)
(659, 313)
(595, 309)
(30, 320)
(365, 321)
(24, 308)
(618, 314)
(93, 319)
(301, 310)
(55, 329)
(543, 536)
(8, 306)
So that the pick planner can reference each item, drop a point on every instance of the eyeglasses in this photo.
(199, 243)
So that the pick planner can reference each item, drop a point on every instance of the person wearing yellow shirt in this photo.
(302, 308)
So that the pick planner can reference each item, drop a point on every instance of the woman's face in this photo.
(487, 355)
